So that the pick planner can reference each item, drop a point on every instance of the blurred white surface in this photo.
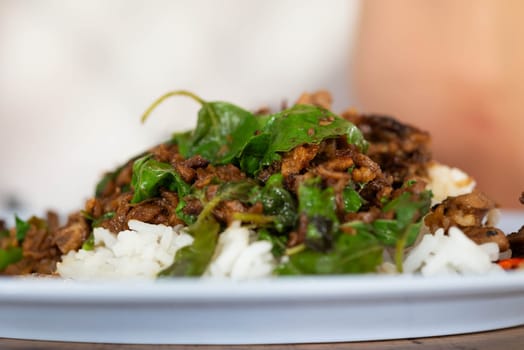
(75, 77)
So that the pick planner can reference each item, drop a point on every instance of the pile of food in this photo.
(301, 191)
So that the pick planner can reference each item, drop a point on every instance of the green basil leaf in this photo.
(319, 207)
(223, 129)
(298, 125)
(179, 210)
(149, 175)
(222, 132)
(21, 228)
(352, 200)
(279, 242)
(109, 215)
(388, 232)
(277, 202)
(4, 233)
(10, 256)
(193, 260)
(359, 253)
(409, 210)
(89, 243)
(184, 142)
(111, 176)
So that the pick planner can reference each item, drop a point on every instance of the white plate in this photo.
(287, 310)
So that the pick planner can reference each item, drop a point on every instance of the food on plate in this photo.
(245, 195)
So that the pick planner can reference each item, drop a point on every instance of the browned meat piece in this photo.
(193, 207)
(23, 267)
(37, 242)
(114, 185)
(467, 210)
(229, 173)
(320, 98)
(222, 173)
(53, 222)
(148, 211)
(196, 162)
(187, 173)
(165, 152)
(482, 235)
(44, 266)
(299, 236)
(119, 205)
(516, 242)
(366, 169)
(6, 237)
(329, 148)
(368, 216)
(124, 177)
(401, 150)
(298, 158)
(363, 175)
(292, 182)
(226, 209)
(159, 210)
(94, 207)
(265, 110)
(332, 176)
(266, 173)
(341, 163)
(73, 234)
(40, 253)
(376, 191)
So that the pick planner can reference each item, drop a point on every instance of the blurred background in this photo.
(75, 76)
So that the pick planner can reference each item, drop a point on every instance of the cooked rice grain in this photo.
(238, 258)
(453, 254)
(448, 182)
(139, 253)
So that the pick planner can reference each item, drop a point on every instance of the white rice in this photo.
(238, 258)
(139, 253)
(146, 249)
(448, 182)
(455, 253)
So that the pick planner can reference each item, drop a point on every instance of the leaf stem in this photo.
(399, 253)
(258, 219)
(164, 97)
(295, 249)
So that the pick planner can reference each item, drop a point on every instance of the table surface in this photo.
(511, 338)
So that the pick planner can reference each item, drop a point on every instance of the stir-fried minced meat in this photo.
(516, 242)
(160, 210)
(294, 161)
(482, 235)
(468, 212)
(320, 98)
(73, 234)
(401, 150)
(187, 167)
(462, 211)
(39, 247)
(226, 210)
(224, 173)
(516, 239)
